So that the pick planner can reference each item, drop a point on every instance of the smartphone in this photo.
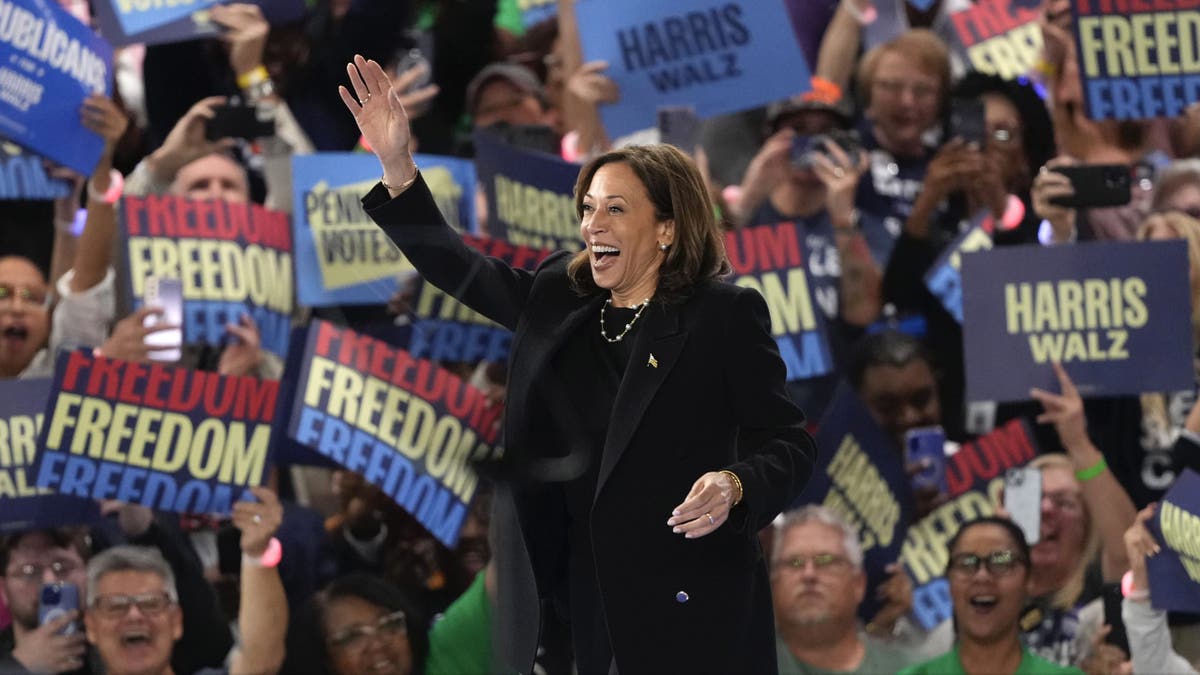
(927, 445)
(56, 600)
(538, 138)
(238, 121)
(967, 121)
(1097, 185)
(679, 126)
(804, 148)
(413, 58)
(1023, 501)
(167, 295)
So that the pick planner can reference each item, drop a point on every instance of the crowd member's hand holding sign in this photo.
(243, 354)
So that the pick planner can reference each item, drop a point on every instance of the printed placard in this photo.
(536, 11)
(769, 259)
(719, 56)
(1000, 37)
(859, 474)
(447, 330)
(169, 438)
(1175, 571)
(975, 478)
(530, 195)
(408, 426)
(944, 278)
(192, 22)
(1137, 58)
(1117, 315)
(231, 258)
(342, 256)
(49, 63)
(23, 505)
(24, 176)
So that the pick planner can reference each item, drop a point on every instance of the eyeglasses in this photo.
(1004, 137)
(31, 572)
(998, 563)
(26, 294)
(919, 90)
(820, 562)
(355, 638)
(117, 606)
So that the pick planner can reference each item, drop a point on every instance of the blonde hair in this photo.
(922, 47)
(1068, 595)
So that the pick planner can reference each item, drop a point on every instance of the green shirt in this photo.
(461, 642)
(876, 659)
(948, 664)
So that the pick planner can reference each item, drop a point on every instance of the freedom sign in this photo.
(719, 57)
(342, 256)
(23, 505)
(530, 195)
(49, 63)
(1000, 37)
(974, 478)
(409, 427)
(769, 259)
(860, 475)
(1117, 315)
(172, 439)
(447, 330)
(1138, 58)
(233, 259)
(1175, 571)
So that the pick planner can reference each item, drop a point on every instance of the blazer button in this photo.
(681, 597)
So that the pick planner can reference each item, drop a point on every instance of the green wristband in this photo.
(1084, 475)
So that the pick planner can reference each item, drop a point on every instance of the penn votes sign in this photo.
(719, 57)
(1116, 315)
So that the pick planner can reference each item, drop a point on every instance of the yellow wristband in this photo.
(256, 76)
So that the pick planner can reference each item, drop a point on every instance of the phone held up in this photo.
(167, 295)
(1023, 501)
(55, 600)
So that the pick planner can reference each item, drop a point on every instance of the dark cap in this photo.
(824, 96)
(519, 76)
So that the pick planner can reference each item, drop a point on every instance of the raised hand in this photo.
(381, 118)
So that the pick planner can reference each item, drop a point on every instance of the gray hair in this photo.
(129, 559)
(825, 516)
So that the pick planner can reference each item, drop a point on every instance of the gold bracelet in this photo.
(403, 186)
(737, 482)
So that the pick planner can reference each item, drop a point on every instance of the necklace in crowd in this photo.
(628, 327)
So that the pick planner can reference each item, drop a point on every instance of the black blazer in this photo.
(714, 401)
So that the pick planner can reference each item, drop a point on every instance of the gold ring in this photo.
(710, 519)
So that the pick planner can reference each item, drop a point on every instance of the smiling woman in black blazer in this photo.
(664, 380)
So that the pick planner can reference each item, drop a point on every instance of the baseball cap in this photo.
(519, 76)
(824, 96)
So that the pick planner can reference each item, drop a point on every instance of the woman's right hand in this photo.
(1049, 185)
(377, 108)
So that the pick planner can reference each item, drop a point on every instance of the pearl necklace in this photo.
(628, 326)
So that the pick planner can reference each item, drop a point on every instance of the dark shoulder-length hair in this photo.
(678, 193)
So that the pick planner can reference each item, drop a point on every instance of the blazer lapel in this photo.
(656, 349)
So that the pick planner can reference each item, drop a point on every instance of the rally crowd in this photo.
(326, 574)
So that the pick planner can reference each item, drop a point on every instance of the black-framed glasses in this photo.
(31, 572)
(998, 563)
(355, 638)
(29, 296)
(820, 562)
(117, 606)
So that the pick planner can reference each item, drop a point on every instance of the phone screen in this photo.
(927, 445)
(1023, 501)
(57, 599)
(967, 120)
(167, 295)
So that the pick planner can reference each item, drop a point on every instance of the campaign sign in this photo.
(530, 195)
(768, 258)
(922, 5)
(974, 478)
(536, 11)
(49, 63)
(944, 278)
(233, 259)
(718, 56)
(23, 505)
(859, 474)
(1175, 571)
(24, 176)
(409, 427)
(168, 438)
(447, 330)
(342, 256)
(1000, 37)
(194, 23)
(1117, 315)
(1137, 59)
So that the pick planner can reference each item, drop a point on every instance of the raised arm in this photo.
(93, 253)
(263, 608)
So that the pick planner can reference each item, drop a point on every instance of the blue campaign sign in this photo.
(536, 11)
(944, 278)
(49, 63)
(195, 23)
(530, 195)
(1145, 73)
(342, 256)
(23, 505)
(1175, 571)
(718, 56)
(1116, 315)
(860, 474)
(139, 16)
(922, 5)
(24, 176)
(169, 438)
